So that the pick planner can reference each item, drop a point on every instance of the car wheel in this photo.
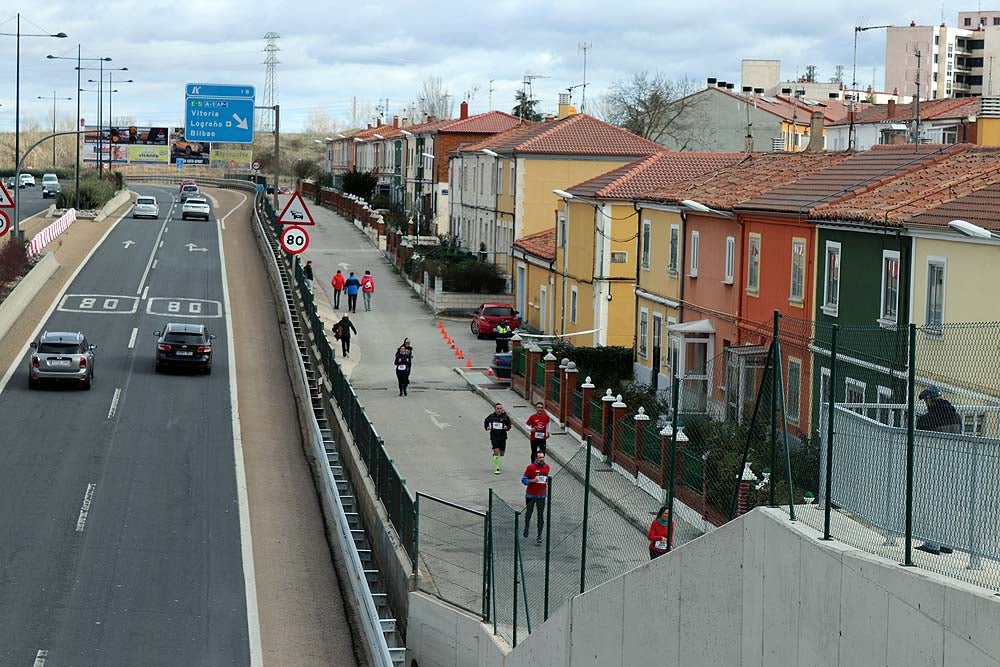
(187, 150)
(32, 383)
(183, 217)
(86, 384)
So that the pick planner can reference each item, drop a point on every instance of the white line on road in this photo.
(152, 262)
(161, 244)
(434, 418)
(155, 262)
(88, 497)
(131, 340)
(40, 658)
(166, 229)
(145, 291)
(114, 402)
(222, 220)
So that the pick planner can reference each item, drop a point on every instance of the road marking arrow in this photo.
(241, 123)
(434, 418)
(128, 243)
(344, 266)
(193, 248)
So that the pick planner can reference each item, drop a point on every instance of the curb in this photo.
(25, 292)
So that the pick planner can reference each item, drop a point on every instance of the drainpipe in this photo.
(738, 278)
(635, 290)
(682, 239)
(565, 268)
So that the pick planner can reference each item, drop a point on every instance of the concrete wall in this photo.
(759, 591)
(25, 292)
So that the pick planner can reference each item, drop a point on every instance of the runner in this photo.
(497, 423)
(538, 425)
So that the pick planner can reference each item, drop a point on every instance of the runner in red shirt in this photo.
(535, 479)
(338, 288)
(661, 533)
(538, 425)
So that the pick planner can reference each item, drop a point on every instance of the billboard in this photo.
(234, 159)
(149, 154)
(113, 153)
(128, 134)
(193, 152)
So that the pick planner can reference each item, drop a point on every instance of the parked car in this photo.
(284, 190)
(11, 181)
(63, 357)
(184, 345)
(146, 207)
(50, 185)
(501, 365)
(27, 180)
(189, 190)
(196, 207)
(489, 315)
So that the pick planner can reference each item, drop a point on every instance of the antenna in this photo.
(265, 118)
(858, 29)
(491, 93)
(526, 87)
(585, 47)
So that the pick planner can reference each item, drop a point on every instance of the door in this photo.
(657, 341)
(522, 292)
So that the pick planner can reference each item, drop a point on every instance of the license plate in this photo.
(62, 363)
(183, 353)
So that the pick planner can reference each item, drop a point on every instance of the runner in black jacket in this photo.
(497, 423)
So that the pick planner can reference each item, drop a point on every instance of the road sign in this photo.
(295, 212)
(5, 198)
(255, 165)
(220, 114)
(260, 187)
(180, 164)
(294, 240)
(4, 224)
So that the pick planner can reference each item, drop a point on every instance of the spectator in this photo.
(408, 346)
(498, 424)
(942, 417)
(338, 286)
(661, 534)
(536, 477)
(342, 332)
(308, 272)
(367, 289)
(538, 429)
(351, 286)
(403, 363)
(503, 335)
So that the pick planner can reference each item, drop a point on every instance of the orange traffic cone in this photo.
(490, 372)
(468, 363)
(458, 353)
(440, 324)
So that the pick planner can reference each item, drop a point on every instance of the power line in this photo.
(265, 117)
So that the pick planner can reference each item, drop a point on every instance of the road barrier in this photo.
(47, 235)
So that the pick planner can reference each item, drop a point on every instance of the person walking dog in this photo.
(351, 286)
(403, 363)
(367, 289)
(497, 423)
(535, 478)
(337, 282)
(342, 332)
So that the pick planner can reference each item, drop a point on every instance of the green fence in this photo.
(454, 543)
(518, 359)
(554, 387)
(576, 407)
(539, 379)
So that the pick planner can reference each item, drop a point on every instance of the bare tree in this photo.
(434, 100)
(319, 122)
(655, 107)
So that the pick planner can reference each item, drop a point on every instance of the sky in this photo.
(330, 57)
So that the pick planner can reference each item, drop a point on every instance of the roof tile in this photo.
(490, 122)
(946, 107)
(657, 170)
(578, 134)
(540, 244)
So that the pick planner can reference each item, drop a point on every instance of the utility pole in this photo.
(264, 123)
(277, 153)
(492, 80)
(851, 131)
(585, 47)
(916, 129)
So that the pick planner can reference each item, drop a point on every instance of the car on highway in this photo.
(146, 207)
(489, 315)
(50, 185)
(61, 356)
(27, 180)
(189, 190)
(10, 181)
(196, 207)
(186, 181)
(184, 346)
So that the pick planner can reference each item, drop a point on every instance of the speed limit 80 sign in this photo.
(294, 240)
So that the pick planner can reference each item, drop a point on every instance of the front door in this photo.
(657, 341)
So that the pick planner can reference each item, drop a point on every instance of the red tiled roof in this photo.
(657, 170)
(578, 134)
(785, 108)
(430, 126)
(938, 186)
(372, 131)
(947, 107)
(749, 178)
(490, 122)
(540, 244)
(859, 173)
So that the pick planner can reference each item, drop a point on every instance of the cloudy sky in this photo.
(334, 52)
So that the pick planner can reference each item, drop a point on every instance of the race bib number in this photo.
(660, 545)
(539, 435)
(497, 426)
(401, 367)
(541, 479)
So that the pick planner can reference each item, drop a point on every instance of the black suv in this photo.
(184, 345)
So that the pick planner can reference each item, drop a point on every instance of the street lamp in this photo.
(975, 231)
(54, 98)
(111, 117)
(17, 91)
(78, 140)
(100, 111)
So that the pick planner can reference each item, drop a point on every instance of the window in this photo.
(499, 177)
(482, 173)
(695, 243)
(573, 298)
(753, 264)
(675, 232)
(831, 281)
(854, 394)
(730, 260)
(996, 20)
(886, 416)
(935, 57)
(561, 230)
(890, 287)
(619, 257)
(967, 21)
(512, 176)
(797, 292)
(793, 389)
(935, 294)
(646, 232)
(974, 424)
(937, 39)
(643, 332)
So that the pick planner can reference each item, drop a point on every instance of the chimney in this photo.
(721, 84)
(369, 126)
(395, 121)
(565, 108)
(892, 109)
(463, 112)
(730, 86)
(816, 132)
(711, 81)
(913, 24)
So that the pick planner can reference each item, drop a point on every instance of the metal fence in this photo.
(454, 543)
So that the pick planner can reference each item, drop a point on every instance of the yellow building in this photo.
(533, 257)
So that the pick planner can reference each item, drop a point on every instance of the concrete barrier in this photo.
(25, 292)
(119, 200)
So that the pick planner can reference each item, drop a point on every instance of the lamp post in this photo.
(100, 110)
(78, 69)
(54, 98)
(111, 119)
(17, 86)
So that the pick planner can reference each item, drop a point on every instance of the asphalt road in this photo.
(31, 199)
(120, 543)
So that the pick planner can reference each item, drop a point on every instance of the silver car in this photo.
(146, 207)
(62, 356)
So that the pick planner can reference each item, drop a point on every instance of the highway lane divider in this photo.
(50, 232)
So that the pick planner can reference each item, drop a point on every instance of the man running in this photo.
(342, 331)
(497, 423)
(538, 429)
(535, 478)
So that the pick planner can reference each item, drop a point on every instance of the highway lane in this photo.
(122, 536)
(31, 200)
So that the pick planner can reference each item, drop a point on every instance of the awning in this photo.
(696, 327)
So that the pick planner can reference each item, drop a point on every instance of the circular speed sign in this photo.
(4, 223)
(255, 165)
(294, 240)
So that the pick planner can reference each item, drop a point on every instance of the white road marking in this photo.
(128, 244)
(40, 658)
(193, 248)
(88, 497)
(161, 244)
(246, 541)
(145, 291)
(434, 418)
(131, 340)
(114, 402)
(222, 220)
(55, 304)
(166, 229)
(155, 262)
(152, 262)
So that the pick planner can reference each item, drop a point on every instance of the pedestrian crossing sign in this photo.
(295, 212)
(5, 199)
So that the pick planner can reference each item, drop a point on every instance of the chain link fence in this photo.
(453, 553)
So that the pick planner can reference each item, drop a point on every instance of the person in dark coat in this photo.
(342, 330)
(942, 417)
(307, 270)
(351, 286)
(403, 363)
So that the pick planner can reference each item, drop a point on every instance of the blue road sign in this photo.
(180, 163)
(260, 187)
(216, 113)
